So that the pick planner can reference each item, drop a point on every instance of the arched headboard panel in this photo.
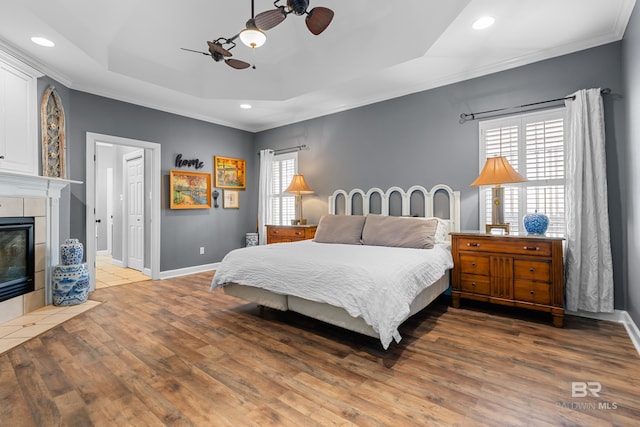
(385, 196)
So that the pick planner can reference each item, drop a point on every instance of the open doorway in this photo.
(123, 224)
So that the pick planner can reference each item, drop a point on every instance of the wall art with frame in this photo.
(189, 190)
(231, 199)
(229, 172)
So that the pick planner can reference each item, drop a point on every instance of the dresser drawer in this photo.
(532, 270)
(289, 233)
(474, 264)
(475, 284)
(535, 292)
(512, 246)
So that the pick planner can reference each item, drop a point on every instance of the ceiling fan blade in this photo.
(269, 19)
(237, 64)
(196, 51)
(318, 19)
(215, 47)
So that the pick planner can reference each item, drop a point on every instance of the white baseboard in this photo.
(189, 270)
(618, 316)
(105, 252)
(118, 263)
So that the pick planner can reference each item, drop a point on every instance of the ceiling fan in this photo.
(219, 53)
(317, 20)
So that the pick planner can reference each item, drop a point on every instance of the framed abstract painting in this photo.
(189, 190)
(229, 172)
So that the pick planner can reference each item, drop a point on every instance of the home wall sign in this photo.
(53, 134)
(180, 163)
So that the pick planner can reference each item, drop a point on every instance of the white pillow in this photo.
(442, 230)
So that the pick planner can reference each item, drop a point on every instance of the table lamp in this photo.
(497, 171)
(299, 187)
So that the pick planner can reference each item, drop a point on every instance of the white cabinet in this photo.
(18, 117)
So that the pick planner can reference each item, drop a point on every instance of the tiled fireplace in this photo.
(34, 197)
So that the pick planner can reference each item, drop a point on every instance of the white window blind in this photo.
(534, 145)
(283, 208)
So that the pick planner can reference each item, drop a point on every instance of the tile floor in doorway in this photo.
(108, 274)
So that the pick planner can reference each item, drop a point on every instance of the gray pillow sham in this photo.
(399, 232)
(345, 229)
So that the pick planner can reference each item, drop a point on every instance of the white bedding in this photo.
(374, 282)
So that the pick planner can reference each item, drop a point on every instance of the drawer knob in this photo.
(473, 284)
(532, 292)
(531, 248)
(474, 245)
(298, 233)
(473, 264)
(275, 231)
(532, 270)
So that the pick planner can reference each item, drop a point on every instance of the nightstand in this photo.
(523, 271)
(290, 233)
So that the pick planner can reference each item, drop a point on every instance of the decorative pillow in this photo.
(345, 229)
(442, 230)
(400, 232)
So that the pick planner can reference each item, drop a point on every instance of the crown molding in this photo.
(37, 65)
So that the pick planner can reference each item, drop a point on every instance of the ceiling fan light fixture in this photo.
(252, 36)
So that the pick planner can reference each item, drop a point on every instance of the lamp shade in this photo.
(497, 170)
(252, 36)
(298, 186)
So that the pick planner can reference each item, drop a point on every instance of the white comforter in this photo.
(374, 282)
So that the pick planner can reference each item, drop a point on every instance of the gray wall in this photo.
(417, 139)
(631, 164)
(183, 231)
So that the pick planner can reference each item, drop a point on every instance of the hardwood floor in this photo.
(173, 353)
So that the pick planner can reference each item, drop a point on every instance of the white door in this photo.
(135, 210)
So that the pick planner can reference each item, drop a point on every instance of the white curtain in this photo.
(264, 192)
(588, 264)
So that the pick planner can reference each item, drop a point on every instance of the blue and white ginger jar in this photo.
(535, 223)
(71, 252)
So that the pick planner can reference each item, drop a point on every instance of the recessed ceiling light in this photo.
(42, 41)
(245, 106)
(484, 22)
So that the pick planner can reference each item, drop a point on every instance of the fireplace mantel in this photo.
(19, 185)
(32, 186)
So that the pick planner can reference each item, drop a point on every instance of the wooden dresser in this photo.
(290, 233)
(518, 270)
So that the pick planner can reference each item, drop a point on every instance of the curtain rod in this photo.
(290, 149)
(464, 117)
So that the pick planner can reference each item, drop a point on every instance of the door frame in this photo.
(125, 207)
(90, 215)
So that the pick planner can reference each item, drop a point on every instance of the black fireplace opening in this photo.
(17, 257)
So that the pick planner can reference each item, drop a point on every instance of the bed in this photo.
(371, 266)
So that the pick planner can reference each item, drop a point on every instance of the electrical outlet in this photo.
(201, 250)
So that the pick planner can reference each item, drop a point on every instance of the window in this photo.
(534, 145)
(283, 207)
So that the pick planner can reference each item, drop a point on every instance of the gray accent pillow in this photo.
(345, 229)
(416, 233)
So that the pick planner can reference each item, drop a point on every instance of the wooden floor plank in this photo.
(172, 352)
